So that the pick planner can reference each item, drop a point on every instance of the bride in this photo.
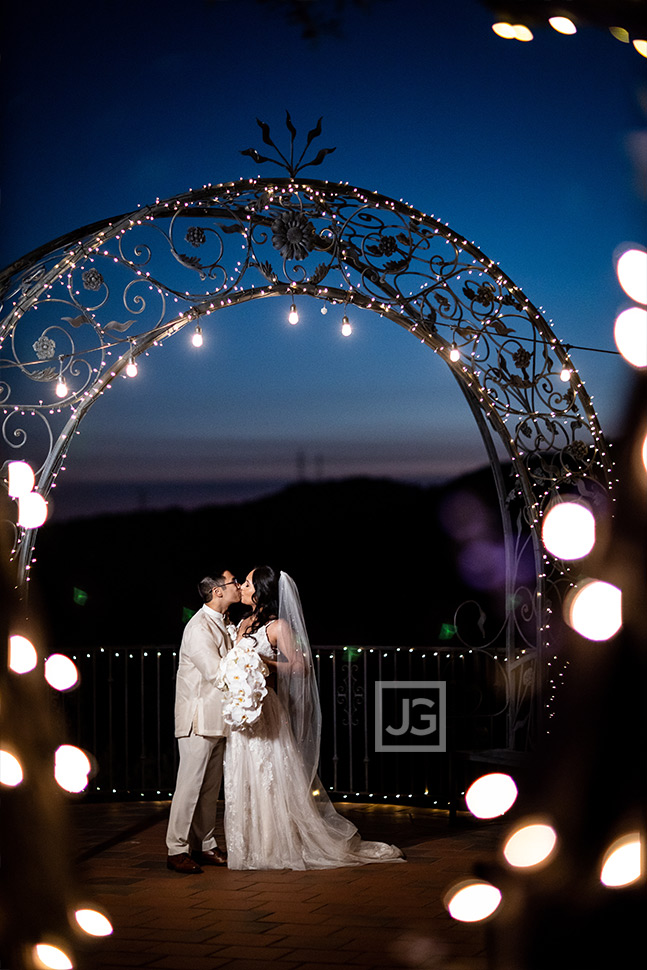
(277, 815)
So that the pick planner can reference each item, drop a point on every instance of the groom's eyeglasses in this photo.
(232, 582)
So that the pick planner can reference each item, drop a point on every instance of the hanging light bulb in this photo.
(61, 386)
(131, 367)
(565, 374)
(346, 328)
(454, 353)
(196, 339)
(293, 316)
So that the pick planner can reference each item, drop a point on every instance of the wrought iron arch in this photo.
(75, 312)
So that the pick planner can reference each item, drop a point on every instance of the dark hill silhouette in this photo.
(371, 558)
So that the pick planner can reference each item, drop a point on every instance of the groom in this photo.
(200, 730)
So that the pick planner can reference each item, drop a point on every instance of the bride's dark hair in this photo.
(265, 598)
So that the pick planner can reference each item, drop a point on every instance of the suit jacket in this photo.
(198, 702)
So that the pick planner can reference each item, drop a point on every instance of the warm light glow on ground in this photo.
(22, 654)
(51, 957)
(10, 770)
(594, 610)
(631, 270)
(71, 768)
(562, 25)
(530, 845)
(491, 795)
(630, 334)
(568, 530)
(93, 923)
(60, 672)
(472, 901)
(621, 864)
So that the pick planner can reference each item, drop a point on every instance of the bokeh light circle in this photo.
(622, 862)
(568, 530)
(20, 479)
(71, 768)
(530, 845)
(491, 795)
(472, 901)
(51, 957)
(631, 269)
(594, 610)
(32, 510)
(630, 334)
(22, 654)
(562, 25)
(60, 672)
(10, 770)
(93, 922)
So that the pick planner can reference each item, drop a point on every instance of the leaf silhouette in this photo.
(319, 157)
(314, 132)
(265, 128)
(257, 158)
(120, 327)
(77, 321)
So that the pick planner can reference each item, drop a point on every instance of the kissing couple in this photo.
(247, 703)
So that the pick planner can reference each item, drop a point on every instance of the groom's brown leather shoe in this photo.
(182, 863)
(210, 857)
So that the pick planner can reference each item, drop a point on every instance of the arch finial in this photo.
(290, 165)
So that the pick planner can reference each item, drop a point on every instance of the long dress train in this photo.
(273, 820)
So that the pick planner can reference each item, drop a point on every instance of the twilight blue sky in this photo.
(531, 150)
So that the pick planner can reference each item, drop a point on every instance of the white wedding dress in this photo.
(272, 818)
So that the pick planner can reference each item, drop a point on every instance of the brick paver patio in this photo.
(377, 917)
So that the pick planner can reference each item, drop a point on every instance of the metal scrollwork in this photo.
(72, 317)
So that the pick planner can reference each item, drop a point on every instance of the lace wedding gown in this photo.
(272, 818)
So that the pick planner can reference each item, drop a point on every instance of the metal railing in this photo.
(122, 713)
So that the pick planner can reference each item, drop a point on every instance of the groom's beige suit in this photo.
(201, 731)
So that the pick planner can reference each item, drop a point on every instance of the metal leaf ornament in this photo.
(289, 165)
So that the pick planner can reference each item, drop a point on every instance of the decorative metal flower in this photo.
(578, 449)
(196, 236)
(293, 235)
(45, 347)
(92, 279)
(522, 358)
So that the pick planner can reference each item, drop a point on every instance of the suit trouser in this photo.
(193, 809)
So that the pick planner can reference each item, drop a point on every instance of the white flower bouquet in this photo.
(242, 680)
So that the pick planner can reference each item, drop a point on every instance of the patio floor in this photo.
(378, 917)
